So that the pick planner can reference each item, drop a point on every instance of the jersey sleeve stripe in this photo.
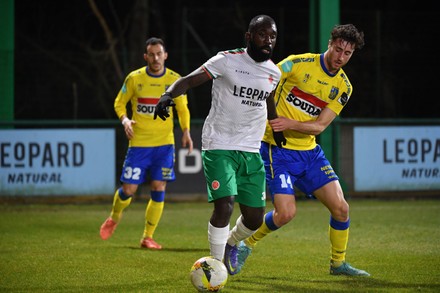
(211, 76)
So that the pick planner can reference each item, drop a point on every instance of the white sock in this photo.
(239, 232)
(217, 238)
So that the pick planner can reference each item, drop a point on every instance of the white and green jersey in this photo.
(238, 114)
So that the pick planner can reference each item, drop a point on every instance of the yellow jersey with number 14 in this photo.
(305, 89)
(143, 91)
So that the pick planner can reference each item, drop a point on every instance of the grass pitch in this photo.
(57, 248)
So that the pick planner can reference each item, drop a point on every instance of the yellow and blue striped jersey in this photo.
(143, 91)
(305, 89)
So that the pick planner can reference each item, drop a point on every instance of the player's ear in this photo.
(165, 55)
(247, 37)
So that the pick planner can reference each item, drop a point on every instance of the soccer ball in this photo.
(208, 274)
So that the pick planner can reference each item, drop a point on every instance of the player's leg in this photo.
(284, 211)
(252, 200)
(218, 228)
(161, 162)
(280, 184)
(120, 201)
(130, 178)
(219, 168)
(331, 195)
(153, 214)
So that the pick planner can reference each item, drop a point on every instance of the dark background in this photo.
(71, 59)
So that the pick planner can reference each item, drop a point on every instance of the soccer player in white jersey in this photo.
(312, 91)
(150, 156)
(243, 84)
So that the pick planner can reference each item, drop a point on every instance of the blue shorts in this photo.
(143, 163)
(306, 170)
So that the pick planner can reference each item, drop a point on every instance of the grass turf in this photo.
(56, 248)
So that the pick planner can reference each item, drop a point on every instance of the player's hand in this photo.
(128, 127)
(162, 108)
(279, 138)
(187, 141)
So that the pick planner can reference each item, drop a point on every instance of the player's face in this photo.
(262, 42)
(155, 57)
(338, 54)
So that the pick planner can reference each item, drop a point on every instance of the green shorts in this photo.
(235, 173)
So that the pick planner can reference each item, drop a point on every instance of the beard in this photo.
(257, 52)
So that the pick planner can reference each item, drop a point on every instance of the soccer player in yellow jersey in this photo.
(312, 91)
(150, 154)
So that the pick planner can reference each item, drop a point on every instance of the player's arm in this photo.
(307, 127)
(184, 118)
(271, 108)
(187, 140)
(128, 126)
(194, 79)
(120, 106)
(179, 87)
(278, 136)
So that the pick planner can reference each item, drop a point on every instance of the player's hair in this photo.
(258, 20)
(155, 41)
(349, 33)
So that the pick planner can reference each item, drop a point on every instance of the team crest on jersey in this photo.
(215, 185)
(333, 93)
(306, 78)
(139, 87)
(270, 78)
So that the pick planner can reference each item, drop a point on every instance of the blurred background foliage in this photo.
(71, 57)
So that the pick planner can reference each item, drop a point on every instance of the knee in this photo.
(129, 190)
(224, 210)
(341, 213)
(221, 215)
(156, 185)
(252, 217)
(254, 220)
(284, 216)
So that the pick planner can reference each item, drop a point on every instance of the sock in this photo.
(217, 238)
(338, 233)
(120, 202)
(267, 227)
(153, 213)
(239, 232)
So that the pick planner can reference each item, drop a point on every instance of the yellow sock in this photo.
(252, 240)
(338, 240)
(118, 206)
(153, 214)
